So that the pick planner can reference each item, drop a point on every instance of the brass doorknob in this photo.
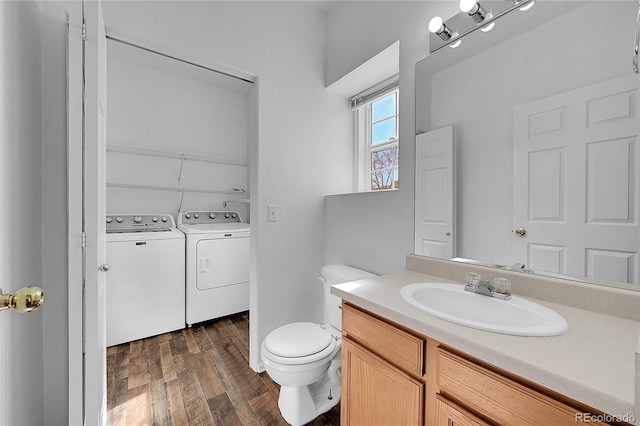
(26, 299)
(521, 232)
(104, 267)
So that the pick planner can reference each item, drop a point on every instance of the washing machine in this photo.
(217, 264)
(145, 284)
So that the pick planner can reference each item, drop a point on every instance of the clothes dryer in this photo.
(217, 264)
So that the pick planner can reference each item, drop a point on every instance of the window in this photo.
(377, 139)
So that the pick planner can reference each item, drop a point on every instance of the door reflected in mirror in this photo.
(544, 111)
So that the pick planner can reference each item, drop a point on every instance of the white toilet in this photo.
(304, 358)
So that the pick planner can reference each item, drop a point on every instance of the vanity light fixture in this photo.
(453, 30)
(478, 13)
(438, 27)
(473, 9)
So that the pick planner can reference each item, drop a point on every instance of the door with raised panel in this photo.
(435, 194)
(577, 183)
(376, 393)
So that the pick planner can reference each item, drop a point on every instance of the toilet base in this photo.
(301, 404)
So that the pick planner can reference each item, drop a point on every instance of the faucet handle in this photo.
(502, 285)
(473, 279)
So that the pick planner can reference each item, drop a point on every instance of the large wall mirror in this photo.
(543, 115)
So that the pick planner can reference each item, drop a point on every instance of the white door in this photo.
(435, 194)
(87, 143)
(577, 182)
(21, 334)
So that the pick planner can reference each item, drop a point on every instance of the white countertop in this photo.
(593, 362)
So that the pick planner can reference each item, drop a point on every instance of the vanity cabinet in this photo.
(394, 376)
(375, 392)
(382, 368)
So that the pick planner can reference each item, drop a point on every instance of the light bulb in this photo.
(467, 5)
(528, 6)
(488, 27)
(437, 27)
(435, 24)
(456, 43)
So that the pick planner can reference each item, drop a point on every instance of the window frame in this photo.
(364, 141)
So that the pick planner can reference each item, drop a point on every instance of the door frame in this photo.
(75, 213)
(4, 386)
(86, 193)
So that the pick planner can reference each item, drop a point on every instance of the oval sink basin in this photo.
(517, 316)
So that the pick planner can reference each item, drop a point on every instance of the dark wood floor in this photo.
(195, 376)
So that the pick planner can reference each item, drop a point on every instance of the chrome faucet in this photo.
(517, 267)
(500, 289)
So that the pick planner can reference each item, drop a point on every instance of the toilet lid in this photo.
(298, 339)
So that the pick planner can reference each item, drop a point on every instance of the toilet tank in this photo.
(336, 274)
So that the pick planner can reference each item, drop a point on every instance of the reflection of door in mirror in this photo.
(575, 183)
(435, 194)
(557, 48)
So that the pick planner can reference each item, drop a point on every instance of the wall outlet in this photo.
(272, 212)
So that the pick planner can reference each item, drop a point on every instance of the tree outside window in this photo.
(382, 142)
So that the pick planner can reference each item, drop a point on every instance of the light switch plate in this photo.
(272, 212)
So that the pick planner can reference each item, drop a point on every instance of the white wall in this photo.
(21, 192)
(176, 108)
(478, 96)
(300, 151)
(356, 31)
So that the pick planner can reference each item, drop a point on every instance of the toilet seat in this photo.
(299, 343)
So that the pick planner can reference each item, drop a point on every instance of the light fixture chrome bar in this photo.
(461, 25)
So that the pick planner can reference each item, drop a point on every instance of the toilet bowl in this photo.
(304, 357)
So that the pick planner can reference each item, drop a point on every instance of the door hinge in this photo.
(83, 239)
(83, 34)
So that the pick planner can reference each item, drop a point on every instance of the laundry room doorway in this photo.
(179, 137)
(177, 133)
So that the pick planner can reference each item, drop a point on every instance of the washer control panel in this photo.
(201, 217)
(119, 223)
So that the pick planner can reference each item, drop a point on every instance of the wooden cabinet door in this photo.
(451, 414)
(375, 392)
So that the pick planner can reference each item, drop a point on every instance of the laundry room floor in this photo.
(195, 376)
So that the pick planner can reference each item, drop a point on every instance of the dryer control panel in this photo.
(202, 217)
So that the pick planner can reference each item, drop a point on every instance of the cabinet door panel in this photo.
(376, 393)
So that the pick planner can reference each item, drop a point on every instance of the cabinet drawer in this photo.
(449, 413)
(499, 398)
(396, 346)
